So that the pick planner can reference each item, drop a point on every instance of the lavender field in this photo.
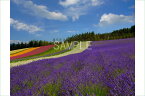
(106, 68)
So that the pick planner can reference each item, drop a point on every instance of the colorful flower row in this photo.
(36, 50)
(25, 51)
(18, 50)
(73, 49)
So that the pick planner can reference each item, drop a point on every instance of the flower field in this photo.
(24, 51)
(106, 68)
(51, 54)
(16, 51)
(30, 52)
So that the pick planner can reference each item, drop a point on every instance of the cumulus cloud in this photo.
(77, 8)
(25, 27)
(40, 10)
(107, 19)
(68, 2)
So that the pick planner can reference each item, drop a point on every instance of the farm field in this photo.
(36, 50)
(103, 68)
(53, 50)
(52, 54)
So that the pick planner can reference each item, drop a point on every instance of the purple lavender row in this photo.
(107, 69)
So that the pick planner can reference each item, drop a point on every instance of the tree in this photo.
(116, 34)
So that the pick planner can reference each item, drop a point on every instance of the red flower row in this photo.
(34, 52)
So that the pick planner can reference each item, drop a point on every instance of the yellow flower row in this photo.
(18, 50)
(25, 51)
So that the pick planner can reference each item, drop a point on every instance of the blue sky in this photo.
(49, 19)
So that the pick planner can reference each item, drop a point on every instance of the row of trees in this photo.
(32, 43)
(91, 36)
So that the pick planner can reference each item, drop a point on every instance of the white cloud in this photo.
(77, 8)
(25, 27)
(15, 41)
(107, 19)
(96, 2)
(40, 10)
(68, 2)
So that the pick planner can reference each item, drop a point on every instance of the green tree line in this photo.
(88, 36)
(32, 43)
(91, 36)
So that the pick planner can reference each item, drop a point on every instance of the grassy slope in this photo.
(77, 49)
